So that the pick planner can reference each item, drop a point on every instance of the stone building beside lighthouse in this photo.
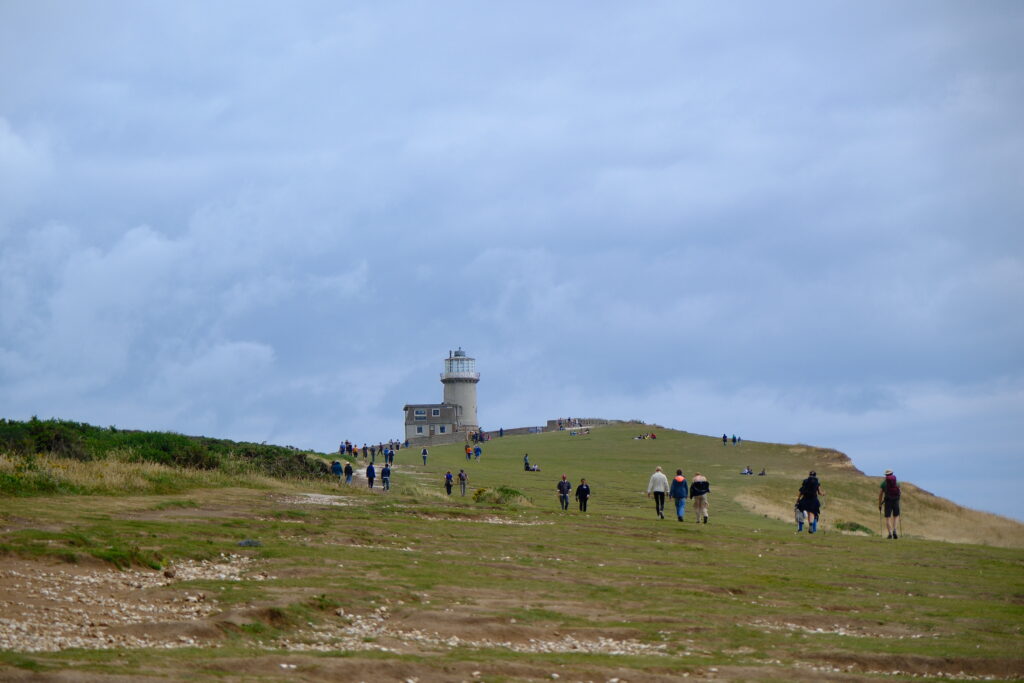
(455, 416)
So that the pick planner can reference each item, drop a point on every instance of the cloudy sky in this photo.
(798, 222)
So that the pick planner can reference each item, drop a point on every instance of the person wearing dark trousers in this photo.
(583, 494)
(385, 476)
(564, 487)
(371, 474)
(448, 478)
(658, 485)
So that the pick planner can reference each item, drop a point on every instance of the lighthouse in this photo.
(459, 379)
(449, 420)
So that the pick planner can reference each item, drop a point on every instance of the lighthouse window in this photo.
(443, 428)
(435, 412)
(419, 430)
(420, 411)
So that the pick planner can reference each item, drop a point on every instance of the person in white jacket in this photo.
(658, 485)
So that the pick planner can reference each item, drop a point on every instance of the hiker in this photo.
(477, 452)
(658, 485)
(463, 480)
(583, 494)
(424, 453)
(348, 473)
(700, 489)
(448, 482)
(800, 517)
(564, 487)
(733, 439)
(501, 432)
(679, 492)
(337, 471)
(385, 476)
(889, 495)
(725, 440)
(469, 452)
(371, 474)
(807, 500)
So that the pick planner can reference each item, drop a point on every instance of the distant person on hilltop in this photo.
(889, 495)
(658, 485)
(583, 494)
(564, 487)
(700, 489)
(725, 440)
(679, 492)
(807, 500)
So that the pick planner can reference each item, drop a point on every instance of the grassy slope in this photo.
(742, 594)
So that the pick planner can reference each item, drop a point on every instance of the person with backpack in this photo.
(583, 494)
(371, 474)
(463, 480)
(348, 473)
(679, 492)
(700, 489)
(889, 496)
(385, 476)
(658, 485)
(807, 500)
(448, 482)
(564, 487)
(337, 471)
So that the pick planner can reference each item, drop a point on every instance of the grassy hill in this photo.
(253, 576)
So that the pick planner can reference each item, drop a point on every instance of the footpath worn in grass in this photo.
(346, 584)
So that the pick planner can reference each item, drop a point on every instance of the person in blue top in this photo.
(448, 478)
(337, 471)
(371, 474)
(679, 492)
(385, 477)
(477, 451)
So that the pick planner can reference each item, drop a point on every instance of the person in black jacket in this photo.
(583, 494)
(807, 500)
(700, 489)
(348, 473)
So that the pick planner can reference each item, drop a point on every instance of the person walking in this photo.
(348, 473)
(448, 482)
(463, 480)
(477, 451)
(385, 476)
(371, 474)
(583, 494)
(679, 492)
(469, 453)
(424, 453)
(700, 489)
(658, 485)
(725, 440)
(337, 471)
(889, 496)
(564, 487)
(807, 500)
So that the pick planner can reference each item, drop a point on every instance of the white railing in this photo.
(475, 376)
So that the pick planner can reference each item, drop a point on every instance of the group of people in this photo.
(347, 471)
(386, 450)
(471, 451)
(679, 490)
(807, 508)
(749, 471)
(449, 480)
(564, 488)
(735, 440)
(645, 435)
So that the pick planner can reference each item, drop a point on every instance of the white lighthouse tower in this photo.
(459, 379)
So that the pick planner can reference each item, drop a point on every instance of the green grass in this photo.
(736, 594)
